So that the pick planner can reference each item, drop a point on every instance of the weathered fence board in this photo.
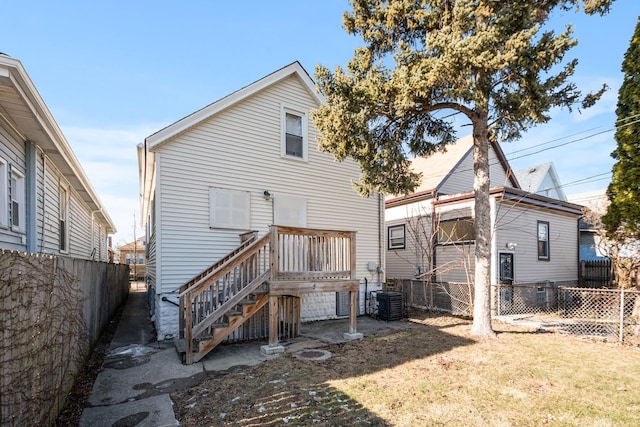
(52, 311)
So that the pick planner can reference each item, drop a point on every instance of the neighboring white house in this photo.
(243, 163)
(47, 204)
(542, 180)
(534, 238)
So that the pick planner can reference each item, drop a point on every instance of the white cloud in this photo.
(109, 159)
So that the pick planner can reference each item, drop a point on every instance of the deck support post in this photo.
(353, 320)
(273, 347)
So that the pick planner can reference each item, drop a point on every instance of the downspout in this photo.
(434, 240)
(579, 263)
(380, 227)
(494, 256)
(31, 197)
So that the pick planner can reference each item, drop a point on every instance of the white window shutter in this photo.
(229, 209)
(290, 210)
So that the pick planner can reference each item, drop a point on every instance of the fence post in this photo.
(499, 298)
(621, 338)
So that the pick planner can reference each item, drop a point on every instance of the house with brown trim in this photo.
(430, 233)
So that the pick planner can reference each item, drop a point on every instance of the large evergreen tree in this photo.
(623, 214)
(485, 59)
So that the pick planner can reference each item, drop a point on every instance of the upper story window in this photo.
(396, 238)
(456, 231)
(294, 134)
(4, 204)
(543, 240)
(17, 201)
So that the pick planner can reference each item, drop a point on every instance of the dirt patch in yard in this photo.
(431, 375)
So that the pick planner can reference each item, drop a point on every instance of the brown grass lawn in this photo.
(432, 375)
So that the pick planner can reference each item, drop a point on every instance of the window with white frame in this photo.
(229, 209)
(17, 201)
(396, 237)
(543, 240)
(64, 215)
(294, 131)
(4, 188)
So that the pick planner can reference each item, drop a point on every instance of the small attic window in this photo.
(294, 134)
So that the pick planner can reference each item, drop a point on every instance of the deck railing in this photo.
(295, 257)
(311, 254)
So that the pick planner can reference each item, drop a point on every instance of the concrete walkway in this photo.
(139, 373)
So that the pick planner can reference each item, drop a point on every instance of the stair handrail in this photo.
(229, 304)
(187, 296)
(228, 264)
(218, 263)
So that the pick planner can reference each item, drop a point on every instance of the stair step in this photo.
(181, 347)
(233, 313)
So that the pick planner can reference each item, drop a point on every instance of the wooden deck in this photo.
(286, 262)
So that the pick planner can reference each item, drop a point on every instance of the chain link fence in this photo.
(451, 297)
(554, 306)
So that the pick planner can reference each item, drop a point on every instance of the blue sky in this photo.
(112, 73)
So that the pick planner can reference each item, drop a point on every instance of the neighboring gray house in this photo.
(246, 163)
(534, 238)
(47, 204)
(542, 180)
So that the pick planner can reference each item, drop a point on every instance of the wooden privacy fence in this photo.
(52, 311)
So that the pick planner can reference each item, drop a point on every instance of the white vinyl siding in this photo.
(241, 148)
(49, 241)
(461, 178)
(81, 238)
(517, 223)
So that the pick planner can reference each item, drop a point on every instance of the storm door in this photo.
(506, 283)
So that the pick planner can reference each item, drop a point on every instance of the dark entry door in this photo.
(506, 268)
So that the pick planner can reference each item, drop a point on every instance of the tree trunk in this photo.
(483, 230)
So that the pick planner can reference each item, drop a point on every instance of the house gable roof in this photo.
(533, 179)
(28, 117)
(440, 166)
(193, 119)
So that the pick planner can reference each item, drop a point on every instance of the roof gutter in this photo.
(15, 75)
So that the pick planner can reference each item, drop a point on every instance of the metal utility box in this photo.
(390, 305)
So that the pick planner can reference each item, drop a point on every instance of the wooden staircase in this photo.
(221, 298)
(285, 263)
